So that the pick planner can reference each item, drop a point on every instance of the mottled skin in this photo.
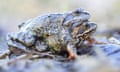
(56, 32)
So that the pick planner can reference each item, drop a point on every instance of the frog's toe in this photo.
(72, 56)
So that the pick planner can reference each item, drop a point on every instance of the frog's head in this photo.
(81, 13)
(76, 18)
(78, 23)
(86, 30)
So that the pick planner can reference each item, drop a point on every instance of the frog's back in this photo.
(43, 21)
(47, 19)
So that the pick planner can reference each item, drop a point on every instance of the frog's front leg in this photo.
(71, 49)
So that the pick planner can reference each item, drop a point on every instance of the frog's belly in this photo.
(56, 44)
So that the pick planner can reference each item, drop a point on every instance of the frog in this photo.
(56, 32)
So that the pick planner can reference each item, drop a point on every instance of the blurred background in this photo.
(106, 13)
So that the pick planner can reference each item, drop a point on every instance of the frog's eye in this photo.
(87, 25)
(77, 11)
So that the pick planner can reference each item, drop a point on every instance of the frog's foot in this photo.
(72, 52)
(72, 56)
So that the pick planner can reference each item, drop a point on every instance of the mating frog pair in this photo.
(60, 32)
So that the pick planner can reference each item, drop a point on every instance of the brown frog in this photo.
(56, 32)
